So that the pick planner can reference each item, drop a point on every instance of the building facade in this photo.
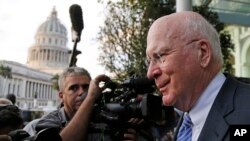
(235, 14)
(241, 39)
(49, 52)
(33, 88)
(49, 55)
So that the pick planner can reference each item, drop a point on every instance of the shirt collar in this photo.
(199, 112)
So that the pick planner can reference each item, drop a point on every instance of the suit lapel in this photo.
(216, 127)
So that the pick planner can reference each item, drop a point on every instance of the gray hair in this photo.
(71, 71)
(194, 24)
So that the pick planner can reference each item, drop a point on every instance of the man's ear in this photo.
(60, 94)
(205, 53)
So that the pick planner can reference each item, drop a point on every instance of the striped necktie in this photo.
(185, 131)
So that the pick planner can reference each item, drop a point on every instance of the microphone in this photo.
(75, 12)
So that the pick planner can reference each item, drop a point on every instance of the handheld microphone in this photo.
(76, 17)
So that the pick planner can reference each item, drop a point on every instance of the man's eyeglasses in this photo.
(160, 59)
(156, 60)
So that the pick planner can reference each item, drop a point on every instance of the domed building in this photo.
(49, 55)
(49, 52)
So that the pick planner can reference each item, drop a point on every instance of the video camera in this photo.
(48, 134)
(133, 98)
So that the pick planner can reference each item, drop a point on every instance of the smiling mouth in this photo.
(162, 87)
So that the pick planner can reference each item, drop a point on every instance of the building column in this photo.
(26, 94)
(183, 5)
(39, 90)
(23, 88)
(47, 92)
(44, 54)
(30, 89)
(235, 34)
(41, 96)
(52, 55)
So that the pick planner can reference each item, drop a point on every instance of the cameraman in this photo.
(78, 94)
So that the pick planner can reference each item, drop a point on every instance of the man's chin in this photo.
(167, 101)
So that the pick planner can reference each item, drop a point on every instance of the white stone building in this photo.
(49, 55)
(49, 52)
(236, 16)
(32, 88)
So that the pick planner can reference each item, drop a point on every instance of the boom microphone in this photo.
(75, 12)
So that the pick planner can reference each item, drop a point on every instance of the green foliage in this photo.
(227, 47)
(5, 71)
(54, 80)
(123, 38)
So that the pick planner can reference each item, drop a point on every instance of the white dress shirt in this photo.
(199, 112)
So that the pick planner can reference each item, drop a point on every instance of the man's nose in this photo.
(81, 91)
(153, 71)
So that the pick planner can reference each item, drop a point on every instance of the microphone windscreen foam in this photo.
(76, 18)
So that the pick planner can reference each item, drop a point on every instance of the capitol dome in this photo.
(50, 52)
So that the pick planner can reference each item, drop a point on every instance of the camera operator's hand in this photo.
(130, 135)
(5, 138)
(94, 87)
(135, 121)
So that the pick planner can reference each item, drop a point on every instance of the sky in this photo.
(20, 19)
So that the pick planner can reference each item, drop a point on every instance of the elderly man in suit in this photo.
(185, 60)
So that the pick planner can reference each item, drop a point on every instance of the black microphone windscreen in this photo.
(76, 18)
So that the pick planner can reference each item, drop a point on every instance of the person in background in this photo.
(10, 119)
(78, 92)
(185, 60)
(12, 98)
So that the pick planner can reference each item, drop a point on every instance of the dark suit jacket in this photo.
(231, 106)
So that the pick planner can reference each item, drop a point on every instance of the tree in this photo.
(54, 80)
(5, 71)
(123, 38)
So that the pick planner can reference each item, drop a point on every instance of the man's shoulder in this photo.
(233, 99)
(30, 127)
(235, 87)
(239, 88)
(52, 115)
(51, 120)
